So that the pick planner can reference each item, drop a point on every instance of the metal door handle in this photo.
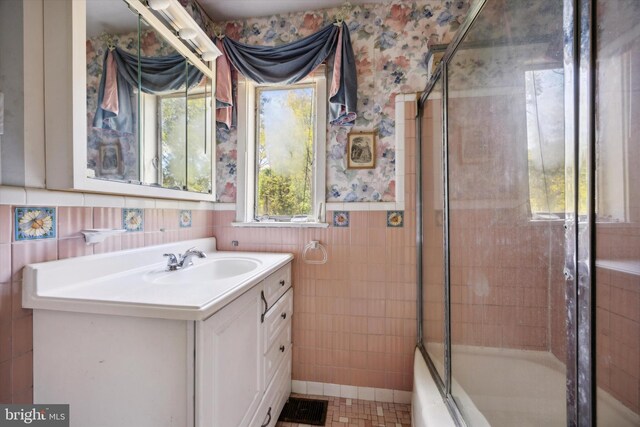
(282, 348)
(283, 315)
(268, 420)
(266, 306)
(282, 282)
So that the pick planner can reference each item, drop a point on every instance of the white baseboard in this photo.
(351, 392)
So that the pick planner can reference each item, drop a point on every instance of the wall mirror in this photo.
(149, 99)
(128, 99)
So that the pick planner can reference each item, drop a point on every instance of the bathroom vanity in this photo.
(127, 343)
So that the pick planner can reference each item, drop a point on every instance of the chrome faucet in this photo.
(183, 261)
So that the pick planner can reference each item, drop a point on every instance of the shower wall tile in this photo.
(617, 316)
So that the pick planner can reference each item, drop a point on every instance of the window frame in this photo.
(247, 146)
(196, 93)
(539, 216)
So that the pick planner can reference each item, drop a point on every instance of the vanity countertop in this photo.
(137, 283)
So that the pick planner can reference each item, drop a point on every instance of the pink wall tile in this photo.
(5, 303)
(17, 311)
(22, 335)
(107, 218)
(73, 219)
(110, 244)
(170, 219)
(6, 224)
(69, 248)
(5, 262)
(198, 218)
(22, 373)
(23, 396)
(5, 322)
(152, 239)
(153, 220)
(132, 240)
(23, 253)
(5, 381)
(171, 236)
(185, 233)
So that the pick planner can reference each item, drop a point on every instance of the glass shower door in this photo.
(506, 176)
(432, 248)
(617, 207)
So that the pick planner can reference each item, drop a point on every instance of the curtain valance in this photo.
(120, 74)
(290, 63)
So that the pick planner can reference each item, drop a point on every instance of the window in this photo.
(284, 166)
(545, 140)
(282, 132)
(184, 139)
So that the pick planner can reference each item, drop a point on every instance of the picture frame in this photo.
(110, 159)
(361, 150)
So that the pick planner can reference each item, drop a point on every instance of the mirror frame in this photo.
(65, 82)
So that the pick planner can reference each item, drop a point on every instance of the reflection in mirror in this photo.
(140, 117)
(199, 137)
(172, 130)
(112, 106)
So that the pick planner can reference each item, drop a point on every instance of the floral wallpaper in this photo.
(504, 42)
(390, 42)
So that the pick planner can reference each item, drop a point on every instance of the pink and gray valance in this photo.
(123, 71)
(290, 63)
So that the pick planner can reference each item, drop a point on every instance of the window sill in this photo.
(280, 224)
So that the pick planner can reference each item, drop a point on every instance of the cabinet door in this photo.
(229, 373)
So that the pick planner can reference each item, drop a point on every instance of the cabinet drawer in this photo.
(277, 317)
(277, 284)
(275, 397)
(277, 352)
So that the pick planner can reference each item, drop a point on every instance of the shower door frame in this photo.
(579, 89)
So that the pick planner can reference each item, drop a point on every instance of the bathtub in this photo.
(504, 388)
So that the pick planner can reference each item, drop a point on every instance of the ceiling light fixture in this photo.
(208, 56)
(187, 33)
(159, 4)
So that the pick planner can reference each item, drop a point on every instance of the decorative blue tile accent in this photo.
(133, 219)
(35, 223)
(395, 218)
(185, 219)
(341, 219)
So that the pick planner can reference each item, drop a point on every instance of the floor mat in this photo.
(307, 411)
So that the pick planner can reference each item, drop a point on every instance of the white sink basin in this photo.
(204, 271)
(136, 283)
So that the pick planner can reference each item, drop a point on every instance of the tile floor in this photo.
(360, 413)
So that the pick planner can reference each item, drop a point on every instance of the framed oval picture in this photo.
(361, 150)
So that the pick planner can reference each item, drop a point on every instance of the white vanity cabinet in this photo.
(243, 357)
(228, 367)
